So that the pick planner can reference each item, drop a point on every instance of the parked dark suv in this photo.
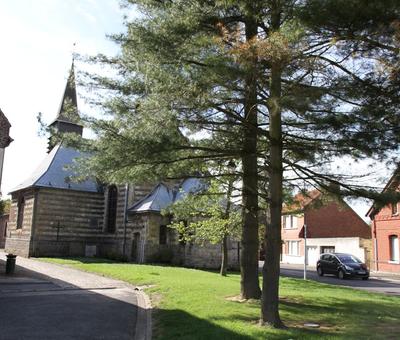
(342, 265)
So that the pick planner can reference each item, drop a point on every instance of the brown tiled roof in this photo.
(300, 201)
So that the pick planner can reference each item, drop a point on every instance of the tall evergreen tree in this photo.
(279, 86)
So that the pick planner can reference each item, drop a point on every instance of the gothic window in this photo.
(112, 209)
(163, 234)
(20, 216)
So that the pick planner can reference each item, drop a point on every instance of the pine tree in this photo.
(280, 87)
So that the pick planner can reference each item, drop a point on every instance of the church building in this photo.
(53, 215)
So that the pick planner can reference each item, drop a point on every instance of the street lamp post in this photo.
(305, 251)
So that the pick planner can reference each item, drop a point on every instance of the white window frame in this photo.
(291, 248)
(290, 222)
(394, 249)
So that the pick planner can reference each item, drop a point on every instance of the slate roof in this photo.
(53, 172)
(162, 196)
(68, 110)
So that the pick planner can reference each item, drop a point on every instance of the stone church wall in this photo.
(66, 222)
(18, 240)
(188, 255)
(119, 245)
(73, 223)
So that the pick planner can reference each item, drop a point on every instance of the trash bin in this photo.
(10, 264)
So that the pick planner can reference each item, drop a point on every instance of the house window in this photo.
(112, 209)
(20, 216)
(394, 248)
(293, 248)
(394, 209)
(327, 249)
(290, 222)
(163, 234)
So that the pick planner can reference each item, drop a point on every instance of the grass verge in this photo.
(196, 304)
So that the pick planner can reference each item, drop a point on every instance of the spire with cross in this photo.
(67, 119)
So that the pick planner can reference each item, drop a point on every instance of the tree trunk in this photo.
(250, 286)
(272, 237)
(224, 262)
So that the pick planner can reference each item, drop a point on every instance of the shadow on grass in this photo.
(181, 325)
(363, 318)
(342, 313)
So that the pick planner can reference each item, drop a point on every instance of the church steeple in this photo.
(67, 120)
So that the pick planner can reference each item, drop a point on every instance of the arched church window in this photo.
(112, 209)
(20, 216)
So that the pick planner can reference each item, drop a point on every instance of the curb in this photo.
(390, 280)
(143, 321)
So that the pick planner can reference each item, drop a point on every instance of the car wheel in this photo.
(365, 278)
(341, 275)
(320, 271)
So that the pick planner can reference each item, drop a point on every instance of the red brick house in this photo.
(332, 226)
(386, 231)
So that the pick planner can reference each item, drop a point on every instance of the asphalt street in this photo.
(36, 307)
(377, 285)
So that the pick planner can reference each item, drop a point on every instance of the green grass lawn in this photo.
(195, 304)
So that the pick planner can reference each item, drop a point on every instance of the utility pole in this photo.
(305, 251)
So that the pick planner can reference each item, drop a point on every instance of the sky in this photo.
(36, 40)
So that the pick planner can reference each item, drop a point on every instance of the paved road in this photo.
(52, 302)
(390, 287)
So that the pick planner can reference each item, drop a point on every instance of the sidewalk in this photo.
(88, 306)
(64, 276)
(395, 277)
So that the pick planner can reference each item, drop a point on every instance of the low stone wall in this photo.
(17, 246)
(191, 255)
(208, 256)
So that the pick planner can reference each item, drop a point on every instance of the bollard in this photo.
(10, 264)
